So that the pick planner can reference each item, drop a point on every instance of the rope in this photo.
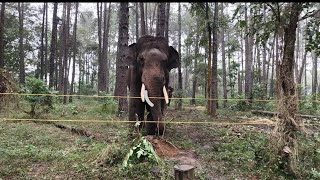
(258, 122)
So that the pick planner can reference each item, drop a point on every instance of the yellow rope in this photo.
(258, 122)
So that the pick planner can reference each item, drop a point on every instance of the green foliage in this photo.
(313, 36)
(109, 106)
(38, 103)
(87, 89)
(141, 151)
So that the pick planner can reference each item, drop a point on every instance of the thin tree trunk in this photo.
(53, 46)
(214, 83)
(209, 77)
(179, 67)
(240, 84)
(46, 47)
(2, 21)
(314, 80)
(248, 64)
(143, 23)
(106, 47)
(22, 74)
(66, 57)
(194, 78)
(74, 52)
(224, 71)
(42, 65)
(274, 61)
(167, 21)
(101, 68)
(137, 21)
(62, 49)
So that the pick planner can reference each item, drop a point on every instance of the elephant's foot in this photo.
(154, 128)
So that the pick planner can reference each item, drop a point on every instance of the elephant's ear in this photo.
(131, 54)
(173, 60)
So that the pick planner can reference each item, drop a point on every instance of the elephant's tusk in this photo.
(166, 97)
(147, 98)
(143, 88)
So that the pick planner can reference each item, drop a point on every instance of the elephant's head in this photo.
(153, 59)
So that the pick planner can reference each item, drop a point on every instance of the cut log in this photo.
(270, 113)
(183, 172)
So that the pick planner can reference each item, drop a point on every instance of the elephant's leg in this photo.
(136, 113)
(150, 127)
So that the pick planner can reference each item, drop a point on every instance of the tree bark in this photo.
(209, 60)
(2, 21)
(22, 74)
(214, 83)
(179, 67)
(137, 20)
(66, 55)
(161, 19)
(142, 16)
(248, 64)
(74, 51)
(42, 65)
(289, 124)
(224, 71)
(53, 46)
(167, 21)
(46, 63)
(121, 71)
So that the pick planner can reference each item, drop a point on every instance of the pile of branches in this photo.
(7, 85)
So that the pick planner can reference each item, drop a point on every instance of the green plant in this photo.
(109, 105)
(142, 150)
(38, 103)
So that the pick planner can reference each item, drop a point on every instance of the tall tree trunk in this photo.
(101, 67)
(53, 46)
(142, 16)
(248, 64)
(167, 21)
(209, 77)
(161, 19)
(214, 83)
(264, 58)
(42, 65)
(288, 124)
(62, 49)
(106, 47)
(224, 71)
(74, 51)
(2, 18)
(137, 20)
(22, 74)
(314, 79)
(274, 61)
(194, 78)
(66, 55)
(46, 63)
(121, 71)
(240, 84)
(179, 67)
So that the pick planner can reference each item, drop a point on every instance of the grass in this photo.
(31, 150)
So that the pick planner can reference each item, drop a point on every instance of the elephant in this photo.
(149, 62)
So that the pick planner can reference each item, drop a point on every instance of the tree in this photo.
(214, 83)
(224, 71)
(22, 75)
(74, 51)
(142, 23)
(166, 33)
(137, 20)
(53, 46)
(42, 63)
(161, 19)
(179, 67)
(248, 61)
(209, 77)
(66, 43)
(2, 18)
(121, 89)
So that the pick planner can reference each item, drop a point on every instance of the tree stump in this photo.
(183, 172)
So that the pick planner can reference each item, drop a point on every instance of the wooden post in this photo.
(183, 172)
